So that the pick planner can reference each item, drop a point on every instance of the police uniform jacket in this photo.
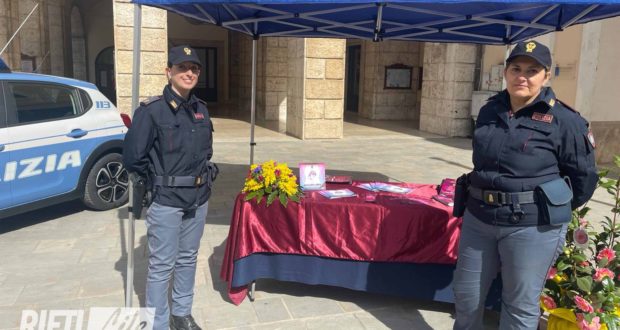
(171, 136)
(543, 141)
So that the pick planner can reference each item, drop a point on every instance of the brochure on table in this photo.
(380, 186)
(337, 193)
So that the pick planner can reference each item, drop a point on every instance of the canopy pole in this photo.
(19, 28)
(135, 95)
(377, 33)
(505, 58)
(253, 101)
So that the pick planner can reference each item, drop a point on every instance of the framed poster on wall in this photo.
(398, 76)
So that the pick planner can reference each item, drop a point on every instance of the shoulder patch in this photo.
(150, 100)
(566, 106)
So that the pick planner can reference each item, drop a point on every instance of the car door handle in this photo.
(77, 133)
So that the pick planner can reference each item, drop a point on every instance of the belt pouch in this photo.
(554, 200)
(460, 195)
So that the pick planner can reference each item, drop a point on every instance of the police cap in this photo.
(533, 49)
(180, 54)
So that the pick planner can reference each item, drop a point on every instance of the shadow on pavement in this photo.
(53, 212)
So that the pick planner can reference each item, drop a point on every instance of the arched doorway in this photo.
(104, 73)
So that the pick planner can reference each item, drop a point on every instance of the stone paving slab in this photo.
(68, 257)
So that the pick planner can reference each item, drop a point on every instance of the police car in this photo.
(60, 139)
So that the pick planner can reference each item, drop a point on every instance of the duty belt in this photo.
(180, 181)
(499, 198)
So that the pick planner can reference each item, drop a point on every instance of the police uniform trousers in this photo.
(523, 254)
(173, 238)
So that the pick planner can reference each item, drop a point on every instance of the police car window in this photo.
(87, 103)
(41, 102)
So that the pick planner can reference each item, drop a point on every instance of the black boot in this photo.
(183, 323)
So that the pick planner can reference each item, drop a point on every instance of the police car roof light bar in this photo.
(3, 67)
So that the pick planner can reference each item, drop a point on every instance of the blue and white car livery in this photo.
(60, 139)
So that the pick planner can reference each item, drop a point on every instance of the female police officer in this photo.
(170, 142)
(524, 138)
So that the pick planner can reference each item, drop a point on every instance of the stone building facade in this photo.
(305, 84)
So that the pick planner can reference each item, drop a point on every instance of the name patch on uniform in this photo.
(547, 118)
(199, 116)
(591, 139)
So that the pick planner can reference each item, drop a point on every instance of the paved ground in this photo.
(67, 257)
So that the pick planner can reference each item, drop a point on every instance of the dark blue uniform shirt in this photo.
(171, 136)
(541, 142)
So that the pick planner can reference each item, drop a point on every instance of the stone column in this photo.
(274, 74)
(315, 99)
(154, 52)
(448, 81)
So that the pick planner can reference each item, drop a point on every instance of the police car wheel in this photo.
(107, 184)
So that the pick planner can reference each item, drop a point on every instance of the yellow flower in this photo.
(271, 175)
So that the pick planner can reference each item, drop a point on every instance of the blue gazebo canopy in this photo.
(486, 22)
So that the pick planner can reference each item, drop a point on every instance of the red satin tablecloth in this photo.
(408, 227)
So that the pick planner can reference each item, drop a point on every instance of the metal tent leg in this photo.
(135, 94)
(253, 101)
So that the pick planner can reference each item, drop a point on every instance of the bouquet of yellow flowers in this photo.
(271, 180)
(583, 288)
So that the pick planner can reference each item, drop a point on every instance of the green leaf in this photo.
(283, 199)
(602, 263)
(259, 196)
(250, 195)
(585, 283)
(271, 197)
(295, 198)
(268, 189)
(617, 160)
(578, 257)
(562, 266)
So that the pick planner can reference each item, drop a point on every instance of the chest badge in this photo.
(544, 117)
(198, 116)
(591, 139)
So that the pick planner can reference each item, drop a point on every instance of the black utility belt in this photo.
(500, 198)
(180, 181)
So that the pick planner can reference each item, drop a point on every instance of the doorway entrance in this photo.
(206, 88)
(353, 78)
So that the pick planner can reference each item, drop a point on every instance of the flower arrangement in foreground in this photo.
(583, 288)
(271, 180)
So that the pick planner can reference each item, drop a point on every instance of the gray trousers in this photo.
(524, 255)
(174, 239)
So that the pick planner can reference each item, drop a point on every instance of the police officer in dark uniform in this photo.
(170, 144)
(525, 141)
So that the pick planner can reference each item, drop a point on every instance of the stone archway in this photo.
(78, 45)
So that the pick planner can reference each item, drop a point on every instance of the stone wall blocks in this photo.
(315, 68)
(324, 89)
(334, 69)
(334, 109)
(325, 48)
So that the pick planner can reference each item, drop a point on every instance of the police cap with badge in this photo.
(532, 49)
(180, 54)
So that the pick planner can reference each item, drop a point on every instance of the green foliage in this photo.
(592, 271)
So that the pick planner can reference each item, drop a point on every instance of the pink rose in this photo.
(548, 302)
(583, 304)
(584, 325)
(583, 222)
(585, 263)
(552, 272)
(601, 273)
(606, 253)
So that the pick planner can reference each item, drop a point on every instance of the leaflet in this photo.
(339, 193)
(380, 186)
